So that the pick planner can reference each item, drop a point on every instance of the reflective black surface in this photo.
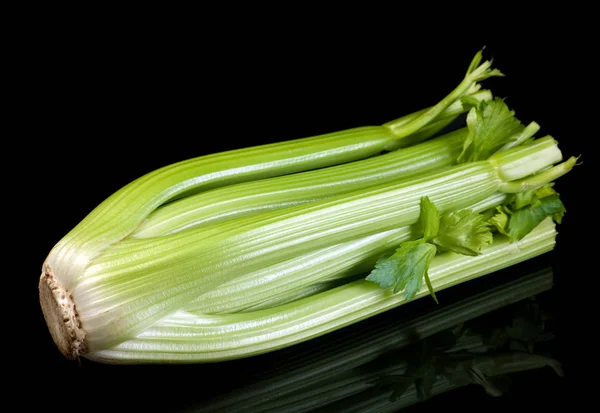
(116, 112)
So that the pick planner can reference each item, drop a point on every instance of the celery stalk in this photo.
(133, 281)
(249, 198)
(185, 337)
(121, 213)
(134, 284)
(155, 276)
(338, 261)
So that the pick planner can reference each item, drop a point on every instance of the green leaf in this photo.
(525, 198)
(531, 196)
(405, 269)
(491, 125)
(385, 272)
(500, 220)
(429, 218)
(468, 102)
(546, 190)
(430, 287)
(476, 61)
(526, 219)
(558, 216)
(472, 119)
(464, 232)
(530, 204)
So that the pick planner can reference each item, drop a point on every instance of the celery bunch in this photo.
(246, 251)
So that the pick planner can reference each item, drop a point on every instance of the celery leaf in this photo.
(531, 196)
(526, 210)
(405, 269)
(523, 220)
(491, 125)
(500, 219)
(464, 232)
(429, 218)
(525, 198)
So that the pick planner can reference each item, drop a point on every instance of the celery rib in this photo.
(183, 265)
(342, 260)
(121, 213)
(227, 255)
(233, 201)
(157, 275)
(186, 337)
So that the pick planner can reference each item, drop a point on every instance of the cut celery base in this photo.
(61, 316)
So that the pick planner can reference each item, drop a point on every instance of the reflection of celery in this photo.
(441, 363)
(479, 369)
(348, 364)
(464, 356)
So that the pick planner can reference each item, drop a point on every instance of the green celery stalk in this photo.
(296, 293)
(278, 281)
(126, 284)
(121, 213)
(186, 337)
(137, 282)
(233, 201)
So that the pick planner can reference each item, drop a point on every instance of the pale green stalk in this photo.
(186, 337)
(122, 212)
(523, 137)
(100, 237)
(539, 179)
(232, 201)
(137, 282)
(279, 281)
(475, 73)
(301, 292)
(444, 119)
(244, 199)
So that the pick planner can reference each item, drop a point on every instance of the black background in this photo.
(106, 102)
